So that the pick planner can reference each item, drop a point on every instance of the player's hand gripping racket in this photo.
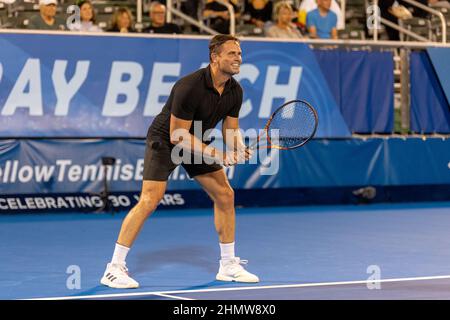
(291, 126)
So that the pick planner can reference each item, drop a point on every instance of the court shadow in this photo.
(211, 284)
(197, 256)
(100, 289)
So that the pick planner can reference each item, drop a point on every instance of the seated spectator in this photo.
(309, 5)
(387, 12)
(47, 19)
(158, 20)
(321, 22)
(87, 18)
(219, 15)
(122, 21)
(284, 28)
(260, 11)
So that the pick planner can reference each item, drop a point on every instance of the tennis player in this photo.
(206, 96)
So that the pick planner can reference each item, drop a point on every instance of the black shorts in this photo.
(158, 164)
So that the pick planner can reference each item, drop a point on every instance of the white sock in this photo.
(227, 251)
(120, 254)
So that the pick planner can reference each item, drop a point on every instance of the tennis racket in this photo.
(291, 126)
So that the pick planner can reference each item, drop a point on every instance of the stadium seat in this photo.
(355, 19)
(104, 20)
(419, 26)
(351, 34)
(436, 28)
(22, 18)
(25, 6)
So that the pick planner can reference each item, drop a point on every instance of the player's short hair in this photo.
(217, 41)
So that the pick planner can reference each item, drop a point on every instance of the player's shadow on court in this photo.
(196, 256)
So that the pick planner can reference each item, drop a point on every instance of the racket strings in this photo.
(292, 125)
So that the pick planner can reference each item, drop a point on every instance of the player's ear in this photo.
(213, 57)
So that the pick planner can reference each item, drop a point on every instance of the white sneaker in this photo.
(232, 270)
(116, 276)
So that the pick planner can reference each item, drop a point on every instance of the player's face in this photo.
(229, 58)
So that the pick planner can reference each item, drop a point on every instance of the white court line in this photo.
(173, 297)
(301, 285)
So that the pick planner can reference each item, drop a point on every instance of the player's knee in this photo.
(148, 203)
(225, 197)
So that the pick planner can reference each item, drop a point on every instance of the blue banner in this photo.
(109, 86)
(69, 166)
(440, 59)
(430, 111)
(67, 175)
(362, 83)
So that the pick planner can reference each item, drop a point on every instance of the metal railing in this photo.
(343, 4)
(403, 30)
(232, 15)
(192, 21)
(406, 31)
(433, 12)
(171, 10)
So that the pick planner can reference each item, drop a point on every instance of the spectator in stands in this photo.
(385, 12)
(310, 5)
(219, 15)
(284, 28)
(321, 22)
(260, 11)
(158, 20)
(47, 19)
(87, 18)
(122, 21)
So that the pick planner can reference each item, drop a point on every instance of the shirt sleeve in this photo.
(271, 32)
(333, 20)
(310, 19)
(182, 107)
(234, 112)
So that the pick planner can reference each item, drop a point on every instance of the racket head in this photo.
(297, 123)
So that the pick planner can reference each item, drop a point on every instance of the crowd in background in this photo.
(279, 19)
(282, 19)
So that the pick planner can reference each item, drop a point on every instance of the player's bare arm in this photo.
(233, 138)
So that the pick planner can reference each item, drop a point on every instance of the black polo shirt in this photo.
(194, 97)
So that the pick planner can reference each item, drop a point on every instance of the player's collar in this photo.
(209, 83)
(208, 78)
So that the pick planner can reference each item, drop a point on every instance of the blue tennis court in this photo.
(399, 251)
